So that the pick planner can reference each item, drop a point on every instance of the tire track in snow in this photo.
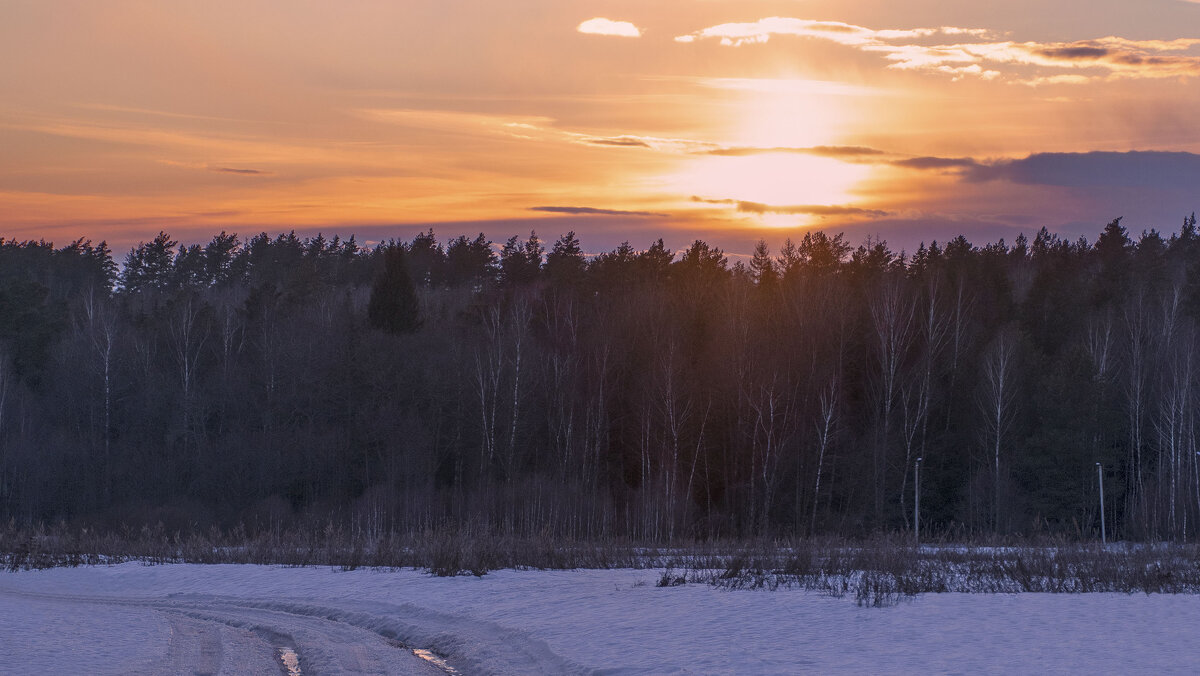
(217, 638)
(319, 646)
(213, 635)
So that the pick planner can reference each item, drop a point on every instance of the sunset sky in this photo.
(723, 120)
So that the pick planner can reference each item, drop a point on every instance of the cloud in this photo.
(1135, 169)
(592, 211)
(619, 141)
(671, 145)
(835, 152)
(1069, 53)
(798, 209)
(773, 85)
(602, 26)
(1097, 169)
(231, 170)
(453, 120)
(216, 169)
(936, 163)
(758, 32)
(1109, 57)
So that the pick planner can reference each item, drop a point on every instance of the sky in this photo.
(724, 120)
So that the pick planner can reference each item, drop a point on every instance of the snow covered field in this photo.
(236, 619)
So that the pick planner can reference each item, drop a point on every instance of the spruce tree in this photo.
(393, 306)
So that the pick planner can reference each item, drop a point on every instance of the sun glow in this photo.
(770, 172)
(789, 115)
(777, 179)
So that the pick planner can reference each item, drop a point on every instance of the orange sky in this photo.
(727, 120)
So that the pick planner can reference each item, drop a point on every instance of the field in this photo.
(137, 618)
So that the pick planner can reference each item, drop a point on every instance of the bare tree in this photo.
(1174, 400)
(1138, 337)
(1099, 343)
(101, 327)
(892, 321)
(916, 397)
(187, 329)
(675, 407)
(996, 401)
(960, 315)
(499, 371)
(773, 407)
(827, 423)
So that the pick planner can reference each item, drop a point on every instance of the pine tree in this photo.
(393, 306)
(762, 267)
(565, 264)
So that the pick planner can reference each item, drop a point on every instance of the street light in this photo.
(917, 501)
(1100, 480)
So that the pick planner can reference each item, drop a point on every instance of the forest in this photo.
(529, 389)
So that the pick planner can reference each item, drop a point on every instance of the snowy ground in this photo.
(136, 619)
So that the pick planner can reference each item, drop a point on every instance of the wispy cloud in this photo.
(776, 85)
(936, 163)
(737, 34)
(453, 120)
(793, 209)
(835, 152)
(203, 166)
(1109, 57)
(233, 170)
(671, 145)
(602, 26)
(593, 211)
(695, 147)
(619, 141)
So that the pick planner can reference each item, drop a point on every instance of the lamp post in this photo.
(1100, 481)
(917, 502)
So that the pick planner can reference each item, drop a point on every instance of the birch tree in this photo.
(892, 320)
(996, 403)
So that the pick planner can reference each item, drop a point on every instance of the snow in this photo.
(233, 619)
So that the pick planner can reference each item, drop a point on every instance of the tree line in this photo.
(640, 393)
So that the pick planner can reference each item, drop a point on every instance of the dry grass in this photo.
(881, 572)
(445, 551)
(876, 572)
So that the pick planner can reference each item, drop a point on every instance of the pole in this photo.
(917, 502)
(1100, 480)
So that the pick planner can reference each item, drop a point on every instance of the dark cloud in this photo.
(244, 172)
(620, 141)
(1135, 169)
(1080, 52)
(798, 209)
(595, 212)
(838, 152)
